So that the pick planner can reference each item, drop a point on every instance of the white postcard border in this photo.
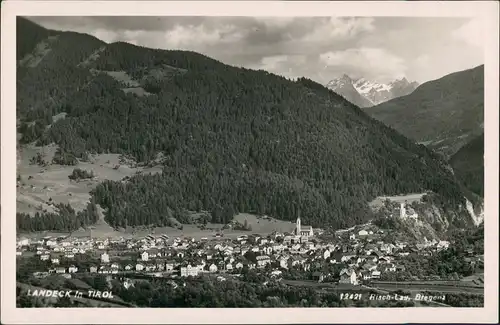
(487, 10)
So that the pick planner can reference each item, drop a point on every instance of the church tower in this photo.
(297, 224)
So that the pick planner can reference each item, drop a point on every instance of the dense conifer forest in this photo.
(233, 139)
(66, 219)
(468, 165)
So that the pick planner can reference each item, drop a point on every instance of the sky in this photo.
(380, 49)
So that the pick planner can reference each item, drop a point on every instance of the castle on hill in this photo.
(407, 213)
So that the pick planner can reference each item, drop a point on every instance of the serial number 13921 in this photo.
(350, 296)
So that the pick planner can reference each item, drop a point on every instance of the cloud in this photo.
(340, 28)
(187, 37)
(273, 22)
(106, 35)
(422, 61)
(272, 62)
(286, 65)
(380, 64)
(471, 33)
(319, 48)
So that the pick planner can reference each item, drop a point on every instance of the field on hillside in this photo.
(409, 198)
(259, 225)
(40, 184)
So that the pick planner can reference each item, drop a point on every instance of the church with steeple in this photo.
(303, 231)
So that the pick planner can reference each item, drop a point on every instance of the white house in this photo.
(443, 244)
(263, 260)
(51, 243)
(278, 247)
(105, 258)
(276, 273)
(189, 271)
(144, 256)
(213, 268)
(139, 267)
(326, 254)
(72, 269)
(23, 242)
(169, 266)
(60, 270)
(349, 277)
(284, 262)
(346, 258)
(267, 250)
(363, 233)
(390, 267)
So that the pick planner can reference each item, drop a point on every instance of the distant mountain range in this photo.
(443, 114)
(365, 93)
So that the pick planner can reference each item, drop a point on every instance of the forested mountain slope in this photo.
(468, 165)
(232, 139)
(444, 114)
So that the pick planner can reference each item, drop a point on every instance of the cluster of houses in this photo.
(361, 255)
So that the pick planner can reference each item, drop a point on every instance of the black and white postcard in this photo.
(249, 162)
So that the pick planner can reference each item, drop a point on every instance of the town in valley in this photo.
(250, 162)
(349, 262)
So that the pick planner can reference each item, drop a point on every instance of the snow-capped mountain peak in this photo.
(374, 92)
(340, 82)
(364, 86)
